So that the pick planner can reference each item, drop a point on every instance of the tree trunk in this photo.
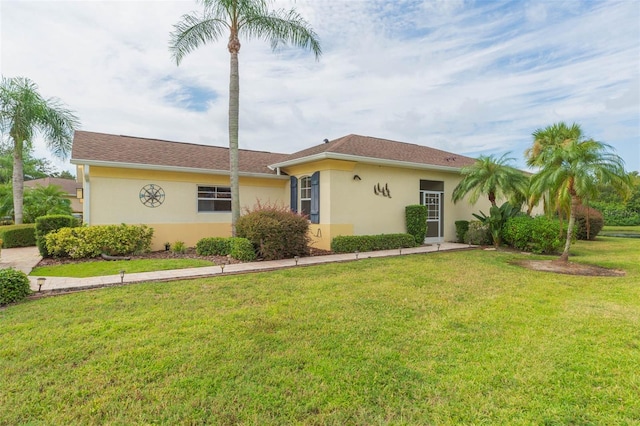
(572, 220)
(234, 112)
(18, 180)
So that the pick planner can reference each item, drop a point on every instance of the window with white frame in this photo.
(305, 195)
(214, 198)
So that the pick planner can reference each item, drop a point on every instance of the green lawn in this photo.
(442, 338)
(620, 230)
(100, 267)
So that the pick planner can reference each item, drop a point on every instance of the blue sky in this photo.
(471, 77)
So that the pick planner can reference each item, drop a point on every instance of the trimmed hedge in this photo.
(416, 221)
(91, 241)
(351, 243)
(47, 224)
(589, 223)
(536, 234)
(18, 235)
(275, 232)
(478, 234)
(14, 286)
(236, 247)
(462, 226)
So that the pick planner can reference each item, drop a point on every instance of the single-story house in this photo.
(354, 185)
(69, 186)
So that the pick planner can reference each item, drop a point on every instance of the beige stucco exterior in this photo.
(348, 204)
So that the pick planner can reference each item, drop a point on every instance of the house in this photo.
(69, 186)
(354, 185)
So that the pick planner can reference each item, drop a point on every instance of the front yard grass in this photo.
(442, 338)
(100, 267)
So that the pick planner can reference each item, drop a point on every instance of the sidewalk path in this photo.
(21, 258)
(60, 284)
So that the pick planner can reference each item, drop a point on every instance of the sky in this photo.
(470, 77)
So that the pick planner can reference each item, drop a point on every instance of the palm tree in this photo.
(24, 113)
(239, 18)
(571, 167)
(492, 177)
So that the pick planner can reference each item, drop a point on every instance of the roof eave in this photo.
(156, 167)
(361, 159)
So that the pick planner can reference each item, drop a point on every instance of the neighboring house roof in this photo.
(68, 185)
(379, 151)
(105, 149)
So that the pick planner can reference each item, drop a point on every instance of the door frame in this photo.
(440, 215)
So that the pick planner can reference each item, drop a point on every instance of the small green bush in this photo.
(241, 249)
(236, 247)
(478, 234)
(538, 234)
(276, 232)
(589, 223)
(179, 247)
(14, 286)
(91, 241)
(351, 243)
(50, 223)
(462, 226)
(18, 235)
(416, 221)
(213, 246)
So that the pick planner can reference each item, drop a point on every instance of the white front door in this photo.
(433, 201)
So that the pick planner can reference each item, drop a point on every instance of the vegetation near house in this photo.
(238, 19)
(539, 234)
(51, 223)
(416, 221)
(18, 235)
(362, 243)
(92, 241)
(236, 247)
(275, 232)
(23, 114)
(14, 286)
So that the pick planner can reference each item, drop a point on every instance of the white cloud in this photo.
(473, 78)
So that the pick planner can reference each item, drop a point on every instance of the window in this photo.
(214, 199)
(306, 192)
(305, 195)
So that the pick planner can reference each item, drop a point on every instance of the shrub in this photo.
(462, 226)
(179, 247)
(478, 234)
(236, 247)
(589, 223)
(538, 234)
(91, 241)
(351, 243)
(18, 235)
(213, 246)
(416, 222)
(275, 232)
(51, 223)
(617, 214)
(14, 286)
(241, 249)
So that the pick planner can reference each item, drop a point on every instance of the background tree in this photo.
(38, 201)
(239, 18)
(23, 114)
(493, 177)
(571, 167)
(32, 168)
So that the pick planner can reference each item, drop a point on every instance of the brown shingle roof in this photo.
(384, 149)
(101, 147)
(68, 185)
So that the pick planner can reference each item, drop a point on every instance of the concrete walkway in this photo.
(28, 257)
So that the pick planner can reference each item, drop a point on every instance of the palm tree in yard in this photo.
(490, 176)
(23, 114)
(571, 167)
(236, 19)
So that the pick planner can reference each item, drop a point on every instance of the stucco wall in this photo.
(114, 198)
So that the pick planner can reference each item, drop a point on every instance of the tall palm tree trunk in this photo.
(18, 180)
(575, 201)
(234, 113)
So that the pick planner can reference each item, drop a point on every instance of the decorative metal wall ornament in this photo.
(152, 195)
(378, 190)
